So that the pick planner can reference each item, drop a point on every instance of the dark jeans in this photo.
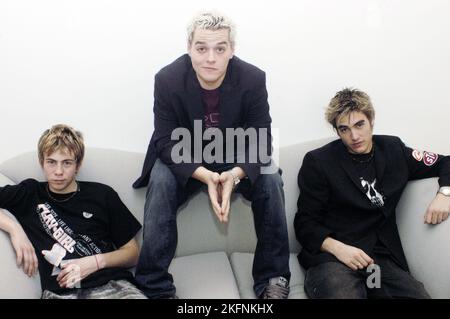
(165, 195)
(334, 280)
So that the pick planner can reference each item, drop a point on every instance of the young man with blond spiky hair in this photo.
(207, 92)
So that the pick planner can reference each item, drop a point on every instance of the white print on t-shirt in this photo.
(87, 215)
(79, 244)
(56, 255)
(375, 197)
(56, 230)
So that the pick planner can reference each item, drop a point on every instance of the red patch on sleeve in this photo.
(429, 158)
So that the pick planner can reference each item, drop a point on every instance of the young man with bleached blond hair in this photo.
(211, 86)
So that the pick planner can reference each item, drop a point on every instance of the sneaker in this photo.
(278, 288)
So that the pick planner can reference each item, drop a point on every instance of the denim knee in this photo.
(269, 183)
(162, 179)
(162, 196)
(334, 280)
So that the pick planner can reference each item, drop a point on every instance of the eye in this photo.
(343, 130)
(201, 49)
(220, 50)
(68, 164)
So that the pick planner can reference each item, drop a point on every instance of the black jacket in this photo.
(333, 203)
(178, 102)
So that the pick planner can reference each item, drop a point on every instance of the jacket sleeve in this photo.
(312, 203)
(424, 164)
(258, 118)
(165, 122)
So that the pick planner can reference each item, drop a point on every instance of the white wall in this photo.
(91, 63)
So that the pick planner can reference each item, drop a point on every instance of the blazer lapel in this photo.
(229, 101)
(194, 103)
(380, 162)
(229, 107)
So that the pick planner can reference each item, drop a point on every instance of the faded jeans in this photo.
(165, 195)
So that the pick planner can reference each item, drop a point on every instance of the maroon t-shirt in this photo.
(211, 105)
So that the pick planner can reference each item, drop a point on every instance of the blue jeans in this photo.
(165, 195)
(334, 280)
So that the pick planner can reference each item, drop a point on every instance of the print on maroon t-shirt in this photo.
(211, 104)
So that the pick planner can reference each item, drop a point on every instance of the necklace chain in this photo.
(62, 200)
(366, 160)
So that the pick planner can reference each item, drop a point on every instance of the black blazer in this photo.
(178, 102)
(333, 203)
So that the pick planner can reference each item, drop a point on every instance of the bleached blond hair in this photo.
(211, 20)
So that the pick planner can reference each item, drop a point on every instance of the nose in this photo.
(59, 169)
(211, 56)
(353, 135)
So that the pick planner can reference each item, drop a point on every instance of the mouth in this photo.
(357, 145)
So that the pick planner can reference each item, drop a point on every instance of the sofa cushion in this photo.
(19, 285)
(425, 246)
(242, 266)
(5, 181)
(204, 276)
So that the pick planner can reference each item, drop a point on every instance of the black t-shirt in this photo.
(366, 170)
(211, 105)
(92, 221)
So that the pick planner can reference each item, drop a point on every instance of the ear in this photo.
(188, 47)
(78, 167)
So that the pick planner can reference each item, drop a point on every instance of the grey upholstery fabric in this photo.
(204, 276)
(426, 246)
(14, 283)
(205, 247)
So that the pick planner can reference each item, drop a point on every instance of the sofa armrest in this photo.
(425, 246)
(14, 283)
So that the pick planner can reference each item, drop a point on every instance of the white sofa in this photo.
(215, 260)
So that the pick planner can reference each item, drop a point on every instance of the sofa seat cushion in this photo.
(204, 276)
(242, 266)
